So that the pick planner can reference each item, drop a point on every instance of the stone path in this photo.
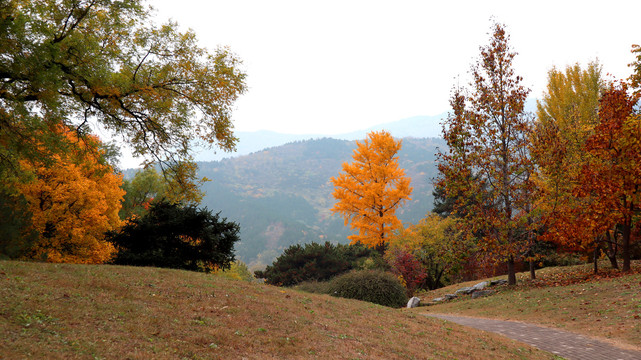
(565, 344)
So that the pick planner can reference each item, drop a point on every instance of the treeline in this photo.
(569, 176)
(513, 189)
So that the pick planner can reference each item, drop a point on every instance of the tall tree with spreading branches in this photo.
(104, 64)
(488, 160)
(370, 190)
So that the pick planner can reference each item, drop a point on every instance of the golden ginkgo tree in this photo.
(370, 189)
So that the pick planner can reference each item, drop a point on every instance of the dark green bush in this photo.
(318, 262)
(375, 286)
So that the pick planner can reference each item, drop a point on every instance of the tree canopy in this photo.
(104, 64)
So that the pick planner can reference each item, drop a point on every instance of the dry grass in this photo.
(607, 305)
(67, 311)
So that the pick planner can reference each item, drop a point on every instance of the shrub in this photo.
(375, 286)
(318, 262)
(406, 266)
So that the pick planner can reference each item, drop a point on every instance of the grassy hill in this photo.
(607, 305)
(281, 196)
(63, 311)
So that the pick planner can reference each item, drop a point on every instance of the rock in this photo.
(480, 293)
(465, 290)
(450, 296)
(438, 299)
(498, 282)
(480, 286)
(413, 302)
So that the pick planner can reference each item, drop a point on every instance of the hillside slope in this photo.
(281, 196)
(63, 311)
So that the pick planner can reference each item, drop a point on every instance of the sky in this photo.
(331, 67)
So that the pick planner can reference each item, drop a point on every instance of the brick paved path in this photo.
(562, 343)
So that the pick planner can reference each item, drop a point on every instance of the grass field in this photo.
(63, 311)
(607, 305)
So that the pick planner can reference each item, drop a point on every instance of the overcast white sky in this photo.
(329, 67)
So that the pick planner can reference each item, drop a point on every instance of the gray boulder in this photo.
(480, 286)
(450, 296)
(439, 299)
(413, 302)
(465, 290)
(478, 294)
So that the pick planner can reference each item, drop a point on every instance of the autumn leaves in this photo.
(371, 189)
(571, 175)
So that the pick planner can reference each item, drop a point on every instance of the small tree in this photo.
(175, 236)
(370, 189)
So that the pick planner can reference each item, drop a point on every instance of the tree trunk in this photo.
(596, 258)
(612, 249)
(511, 274)
(532, 270)
(626, 245)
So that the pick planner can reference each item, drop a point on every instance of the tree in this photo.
(566, 117)
(371, 189)
(438, 244)
(613, 178)
(174, 236)
(104, 63)
(74, 198)
(488, 157)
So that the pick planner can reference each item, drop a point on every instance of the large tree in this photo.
(106, 64)
(488, 158)
(566, 118)
(371, 188)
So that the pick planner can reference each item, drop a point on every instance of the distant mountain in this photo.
(249, 142)
(282, 195)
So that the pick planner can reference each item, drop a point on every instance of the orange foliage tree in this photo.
(613, 177)
(74, 198)
(370, 190)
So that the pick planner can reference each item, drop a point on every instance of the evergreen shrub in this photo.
(379, 287)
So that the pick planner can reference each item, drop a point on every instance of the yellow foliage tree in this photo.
(370, 189)
(74, 199)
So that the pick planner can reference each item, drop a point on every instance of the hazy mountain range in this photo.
(249, 142)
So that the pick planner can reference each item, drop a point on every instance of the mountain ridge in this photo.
(420, 126)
